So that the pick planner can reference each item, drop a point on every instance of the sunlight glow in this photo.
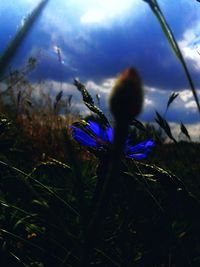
(104, 11)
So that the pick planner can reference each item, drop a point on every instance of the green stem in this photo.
(94, 228)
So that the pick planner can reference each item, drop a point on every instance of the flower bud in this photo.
(126, 98)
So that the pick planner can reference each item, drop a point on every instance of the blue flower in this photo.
(97, 138)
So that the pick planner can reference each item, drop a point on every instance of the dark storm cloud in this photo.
(144, 48)
(141, 44)
(107, 50)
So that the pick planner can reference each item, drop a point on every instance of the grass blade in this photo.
(172, 97)
(173, 43)
(43, 186)
(19, 37)
(185, 131)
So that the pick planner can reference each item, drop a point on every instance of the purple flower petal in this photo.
(94, 127)
(95, 136)
(137, 156)
(103, 134)
(82, 137)
(141, 147)
(109, 133)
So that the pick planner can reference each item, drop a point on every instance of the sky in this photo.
(98, 39)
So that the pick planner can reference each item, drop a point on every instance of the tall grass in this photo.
(37, 118)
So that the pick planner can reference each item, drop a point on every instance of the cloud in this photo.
(193, 130)
(190, 45)
(100, 52)
(191, 105)
(148, 102)
(105, 52)
(103, 13)
(182, 109)
(186, 95)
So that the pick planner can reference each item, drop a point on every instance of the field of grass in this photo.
(50, 186)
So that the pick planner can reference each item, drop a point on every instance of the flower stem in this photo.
(95, 224)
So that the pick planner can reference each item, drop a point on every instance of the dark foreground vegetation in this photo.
(50, 185)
